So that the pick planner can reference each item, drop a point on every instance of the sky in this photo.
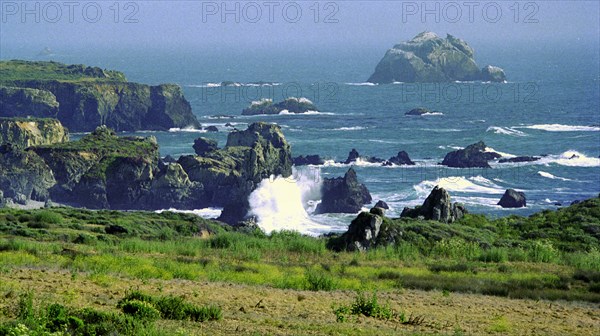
(301, 25)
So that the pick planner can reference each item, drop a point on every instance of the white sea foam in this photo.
(432, 114)
(282, 204)
(204, 213)
(506, 131)
(476, 184)
(562, 128)
(362, 84)
(187, 129)
(571, 158)
(286, 112)
(553, 177)
(359, 162)
(354, 128)
(504, 155)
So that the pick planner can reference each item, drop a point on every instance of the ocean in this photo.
(549, 106)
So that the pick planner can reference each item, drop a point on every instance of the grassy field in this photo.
(512, 276)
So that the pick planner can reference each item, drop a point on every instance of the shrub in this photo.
(367, 306)
(141, 310)
(319, 281)
(207, 313)
(48, 217)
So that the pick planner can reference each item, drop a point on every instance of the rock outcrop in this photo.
(473, 156)
(308, 160)
(418, 111)
(382, 204)
(519, 159)
(230, 174)
(27, 102)
(203, 145)
(513, 199)
(291, 105)
(401, 158)
(83, 98)
(354, 156)
(438, 207)
(362, 233)
(32, 132)
(343, 194)
(429, 58)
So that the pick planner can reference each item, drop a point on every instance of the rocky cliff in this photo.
(429, 58)
(32, 132)
(83, 98)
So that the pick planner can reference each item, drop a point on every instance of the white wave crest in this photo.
(282, 203)
(553, 177)
(504, 155)
(362, 84)
(286, 112)
(187, 129)
(571, 158)
(562, 128)
(506, 131)
(477, 184)
(353, 128)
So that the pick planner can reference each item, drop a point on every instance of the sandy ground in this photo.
(255, 310)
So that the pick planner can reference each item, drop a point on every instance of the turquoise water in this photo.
(550, 106)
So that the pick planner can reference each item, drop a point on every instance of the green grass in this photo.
(17, 70)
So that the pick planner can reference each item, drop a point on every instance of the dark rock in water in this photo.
(492, 74)
(437, 207)
(203, 145)
(472, 156)
(401, 159)
(228, 125)
(212, 129)
(418, 111)
(291, 105)
(343, 194)
(429, 58)
(91, 97)
(169, 159)
(520, 159)
(308, 160)
(381, 204)
(513, 199)
(362, 232)
(352, 156)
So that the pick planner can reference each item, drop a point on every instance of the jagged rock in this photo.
(401, 158)
(520, 159)
(362, 232)
(212, 129)
(343, 194)
(429, 58)
(32, 132)
(24, 175)
(437, 206)
(203, 145)
(30, 102)
(513, 199)
(291, 105)
(474, 155)
(172, 188)
(377, 211)
(381, 204)
(308, 160)
(492, 74)
(352, 156)
(94, 97)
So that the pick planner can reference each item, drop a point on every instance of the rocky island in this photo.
(429, 58)
(289, 105)
(84, 97)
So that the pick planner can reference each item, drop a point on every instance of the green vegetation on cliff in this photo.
(17, 70)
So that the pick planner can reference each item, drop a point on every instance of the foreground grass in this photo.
(81, 258)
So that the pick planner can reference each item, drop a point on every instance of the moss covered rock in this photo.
(32, 132)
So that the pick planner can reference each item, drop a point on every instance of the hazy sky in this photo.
(288, 25)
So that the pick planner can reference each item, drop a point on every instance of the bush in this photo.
(48, 217)
(141, 310)
(319, 281)
(366, 306)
